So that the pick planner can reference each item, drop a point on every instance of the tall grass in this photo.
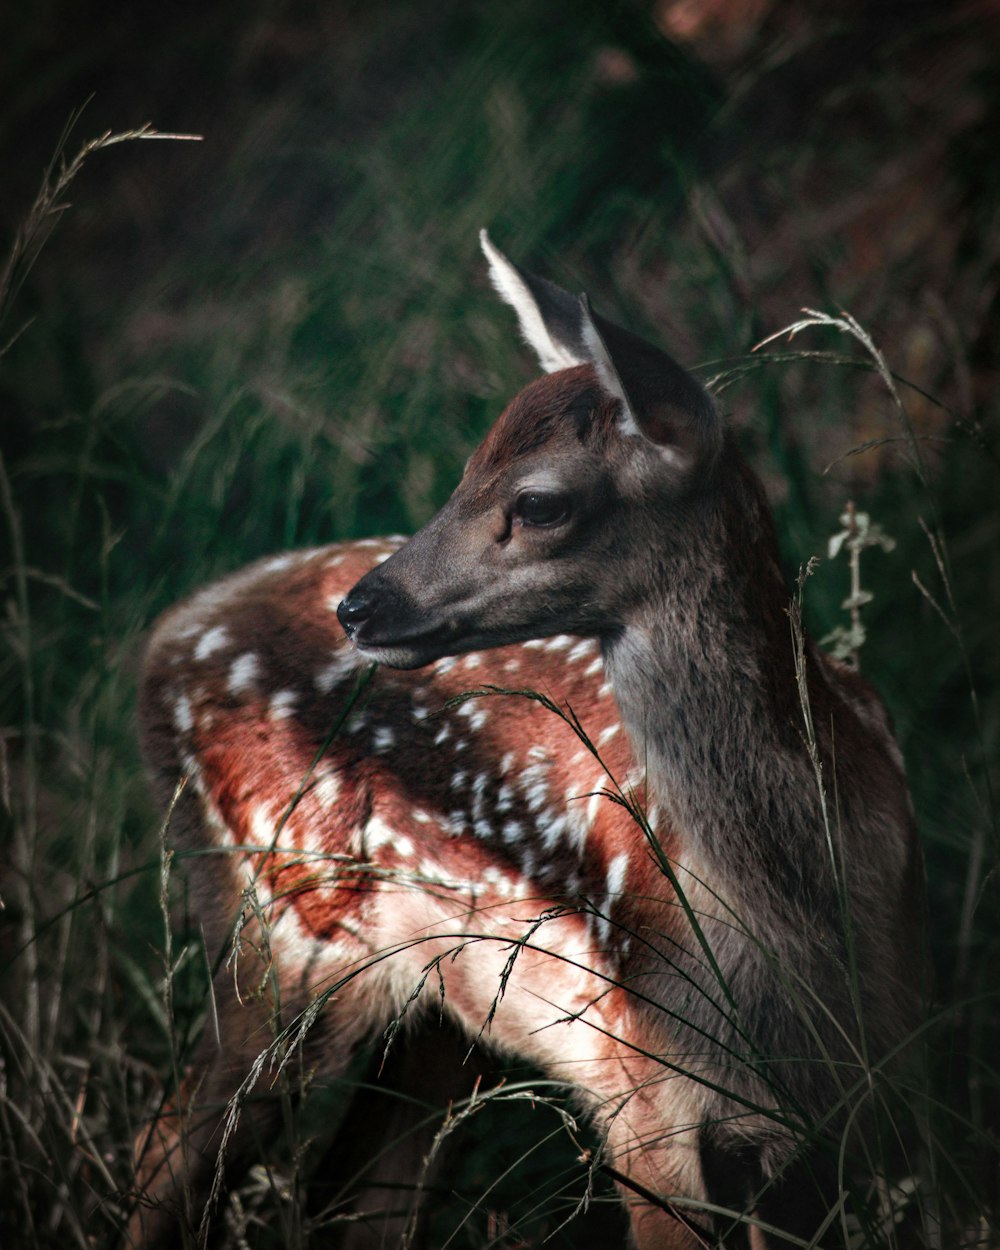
(313, 354)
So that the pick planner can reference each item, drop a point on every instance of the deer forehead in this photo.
(556, 412)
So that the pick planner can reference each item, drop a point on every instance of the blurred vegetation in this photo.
(283, 335)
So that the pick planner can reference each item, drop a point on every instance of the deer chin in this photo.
(403, 657)
(407, 650)
(397, 633)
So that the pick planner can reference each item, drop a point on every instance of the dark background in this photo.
(283, 334)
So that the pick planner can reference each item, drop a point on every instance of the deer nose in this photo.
(354, 609)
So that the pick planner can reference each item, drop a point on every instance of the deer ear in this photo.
(549, 316)
(658, 399)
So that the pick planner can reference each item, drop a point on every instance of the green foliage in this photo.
(285, 336)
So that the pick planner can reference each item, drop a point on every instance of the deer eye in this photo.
(541, 508)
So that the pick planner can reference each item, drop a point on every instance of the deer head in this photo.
(541, 534)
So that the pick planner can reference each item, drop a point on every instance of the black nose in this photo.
(353, 610)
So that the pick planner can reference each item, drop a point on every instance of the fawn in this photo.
(718, 963)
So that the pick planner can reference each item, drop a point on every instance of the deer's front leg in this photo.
(531, 979)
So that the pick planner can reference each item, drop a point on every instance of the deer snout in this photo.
(356, 607)
(385, 624)
(375, 613)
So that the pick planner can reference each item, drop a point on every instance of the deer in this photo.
(564, 767)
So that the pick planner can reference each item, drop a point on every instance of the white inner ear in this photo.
(510, 286)
(608, 375)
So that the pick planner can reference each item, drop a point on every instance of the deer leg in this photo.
(228, 1110)
(530, 985)
(653, 1149)
(378, 1166)
(178, 1154)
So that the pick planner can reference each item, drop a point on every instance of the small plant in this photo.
(859, 533)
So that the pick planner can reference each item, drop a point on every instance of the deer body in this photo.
(714, 982)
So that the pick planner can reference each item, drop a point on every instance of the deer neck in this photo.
(704, 677)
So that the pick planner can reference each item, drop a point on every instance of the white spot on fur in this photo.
(219, 832)
(282, 704)
(344, 663)
(579, 823)
(615, 883)
(458, 780)
(559, 642)
(594, 806)
(594, 667)
(498, 881)
(183, 718)
(383, 739)
(243, 673)
(475, 715)
(432, 873)
(263, 826)
(535, 786)
(617, 873)
(552, 826)
(607, 734)
(212, 640)
(634, 781)
(479, 812)
(278, 564)
(443, 734)
(512, 831)
(378, 834)
(582, 649)
(447, 664)
(473, 660)
(327, 790)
